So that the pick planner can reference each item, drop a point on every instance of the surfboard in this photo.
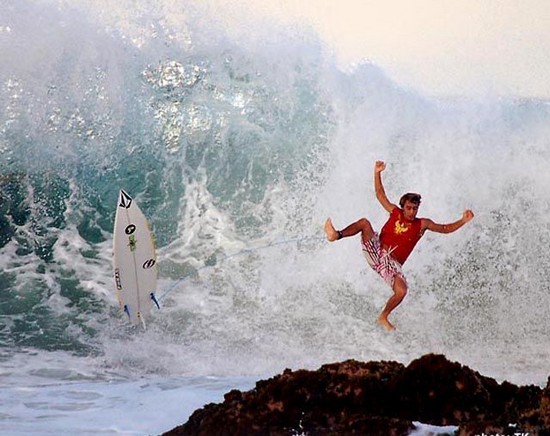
(134, 260)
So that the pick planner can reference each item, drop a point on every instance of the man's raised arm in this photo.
(428, 224)
(380, 166)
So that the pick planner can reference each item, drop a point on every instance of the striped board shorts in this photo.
(381, 261)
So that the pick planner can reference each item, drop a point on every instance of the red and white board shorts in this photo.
(381, 261)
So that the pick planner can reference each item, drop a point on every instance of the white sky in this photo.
(441, 47)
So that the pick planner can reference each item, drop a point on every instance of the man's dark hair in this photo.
(413, 198)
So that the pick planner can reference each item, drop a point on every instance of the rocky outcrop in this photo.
(376, 398)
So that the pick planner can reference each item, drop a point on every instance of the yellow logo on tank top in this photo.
(400, 227)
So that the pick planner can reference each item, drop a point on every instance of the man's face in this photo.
(410, 210)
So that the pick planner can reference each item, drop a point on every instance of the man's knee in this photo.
(399, 287)
(364, 223)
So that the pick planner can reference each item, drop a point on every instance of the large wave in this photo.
(230, 141)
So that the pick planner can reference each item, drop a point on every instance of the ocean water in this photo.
(237, 145)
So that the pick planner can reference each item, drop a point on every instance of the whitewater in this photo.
(237, 145)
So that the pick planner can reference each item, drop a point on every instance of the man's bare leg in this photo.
(399, 292)
(362, 226)
(399, 286)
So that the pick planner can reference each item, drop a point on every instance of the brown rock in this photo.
(545, 405)
(375, 398)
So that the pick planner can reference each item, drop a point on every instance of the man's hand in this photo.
(467, 216)
(379, 166)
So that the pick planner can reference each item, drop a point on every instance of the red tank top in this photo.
(400, 235)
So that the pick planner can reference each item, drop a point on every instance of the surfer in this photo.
(387, 252)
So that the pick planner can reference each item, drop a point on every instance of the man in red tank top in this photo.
(387, 252)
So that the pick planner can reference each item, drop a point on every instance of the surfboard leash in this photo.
(229, 256)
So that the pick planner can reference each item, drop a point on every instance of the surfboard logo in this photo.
(150, 263)
(117, 279)
(132, 242)
(124, 200)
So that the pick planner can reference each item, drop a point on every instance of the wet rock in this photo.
(376, 398)
(544, 409)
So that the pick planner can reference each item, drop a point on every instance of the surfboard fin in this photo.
(152, 295)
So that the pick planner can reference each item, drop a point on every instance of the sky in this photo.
(439, 47)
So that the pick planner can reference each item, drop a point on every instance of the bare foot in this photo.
(383, 321)
(332, 234)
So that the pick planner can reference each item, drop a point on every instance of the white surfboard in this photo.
(134, 260)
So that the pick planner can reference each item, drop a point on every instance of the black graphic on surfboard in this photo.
(124, 200)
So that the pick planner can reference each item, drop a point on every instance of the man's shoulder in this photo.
(425, 223)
